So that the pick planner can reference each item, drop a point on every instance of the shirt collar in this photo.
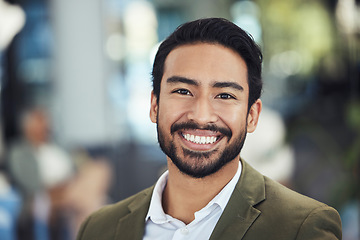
(224, 195)
(156, 212)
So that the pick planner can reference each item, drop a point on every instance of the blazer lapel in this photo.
(132, 225)
(240, 213)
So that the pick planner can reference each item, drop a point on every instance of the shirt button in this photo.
(184, 231)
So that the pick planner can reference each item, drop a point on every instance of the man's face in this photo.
(202, 115)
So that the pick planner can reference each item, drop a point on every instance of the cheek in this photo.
(174, 110)
(234, 118)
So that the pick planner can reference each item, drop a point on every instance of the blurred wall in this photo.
(79, 97)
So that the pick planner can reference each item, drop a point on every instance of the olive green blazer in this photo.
(259, 208)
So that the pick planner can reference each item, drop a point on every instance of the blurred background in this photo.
(75, 94)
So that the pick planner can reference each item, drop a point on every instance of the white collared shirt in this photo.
(161, 226)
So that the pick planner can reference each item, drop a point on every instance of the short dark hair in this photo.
(219, 31)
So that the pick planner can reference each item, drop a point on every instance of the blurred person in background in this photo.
(87, 191)
(206, 89)
(41, 170)
(12, 20)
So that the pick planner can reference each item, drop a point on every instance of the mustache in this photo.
(194, 126)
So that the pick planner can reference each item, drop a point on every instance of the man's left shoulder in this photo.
(277, 194)
(307, 216)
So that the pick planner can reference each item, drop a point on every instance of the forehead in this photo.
(206, 63)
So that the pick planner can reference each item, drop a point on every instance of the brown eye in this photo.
(225, 96)
(183, 92)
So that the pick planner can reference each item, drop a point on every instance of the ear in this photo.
(153, 107)
(253, 116)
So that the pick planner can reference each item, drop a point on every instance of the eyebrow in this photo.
(228, 85)
(177, 79)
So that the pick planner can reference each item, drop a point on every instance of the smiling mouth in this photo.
(200, 139)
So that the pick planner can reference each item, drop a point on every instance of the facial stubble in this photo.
(202, 163)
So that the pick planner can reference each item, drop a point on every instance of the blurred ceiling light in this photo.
(245, 14)
(348, 17)
(114, 47)
(12, 19)
(245, 7)
(140, 27)
(286, 63)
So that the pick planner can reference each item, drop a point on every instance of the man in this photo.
(41, 170)
(206, 89)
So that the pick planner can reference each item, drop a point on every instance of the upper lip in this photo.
(195, 129)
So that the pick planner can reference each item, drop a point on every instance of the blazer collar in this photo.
(240, 212)
(236, 219)
(132, 225)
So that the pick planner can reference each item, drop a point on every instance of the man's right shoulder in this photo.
(121, 208)
(105, 220)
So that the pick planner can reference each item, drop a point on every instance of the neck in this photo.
(185, 195)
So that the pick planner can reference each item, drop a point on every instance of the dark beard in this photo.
(201, 170)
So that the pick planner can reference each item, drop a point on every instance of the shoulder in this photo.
(278, 194)
(304, 216)
(284, 212)
(19, 146)
(121, 208)
(105, 220)
(267, 194)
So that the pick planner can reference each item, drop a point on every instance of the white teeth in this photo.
(200, 139)
(192, 138)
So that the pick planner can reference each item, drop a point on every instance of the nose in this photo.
(202, 112)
